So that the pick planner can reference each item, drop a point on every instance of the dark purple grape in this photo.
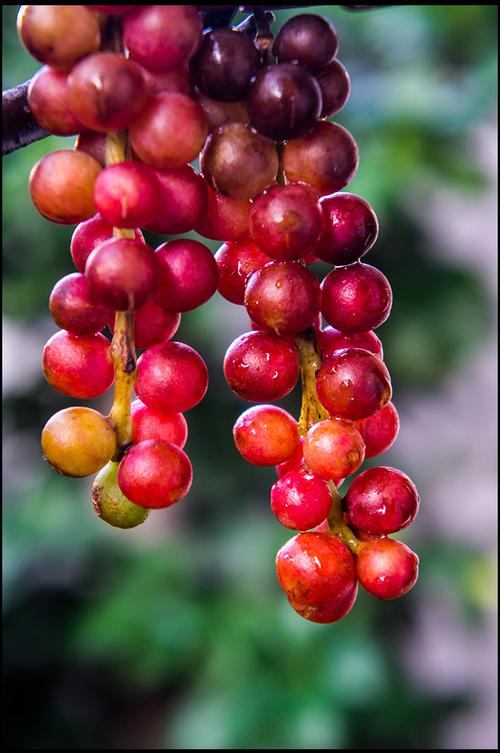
(307, 39)
(225, 64)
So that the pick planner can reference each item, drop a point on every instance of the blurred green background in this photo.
(176, 634)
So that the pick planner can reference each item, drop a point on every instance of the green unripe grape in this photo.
(111, 505)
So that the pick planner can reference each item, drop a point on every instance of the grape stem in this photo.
(310, 361)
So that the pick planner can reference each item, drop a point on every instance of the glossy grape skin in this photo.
(260, 367)
(266, 435)
(224, 64)
(286, 221)
(238, 162)
(126, 194)
(78, 366)
(387, 568)
(356, 298)
(181, 201)
(187, 275)
(379, 431)
(350, 229)
(219, 113)
(170, 131)
(107, 91)
(49, 103)
(236, 262)
(148, 423)
(331, 613)
(162, 37)
(109, 502)
(325, 158)
(307, 39)
(93, 144)
(62, 186)
(152, 324)
(331, 340)
(122, 273)
(73, 309)
(78, 441)
(294, 463)
(282, 296)
(58, 35)
(335, 88)
(333, 449)
(381, 500)
(226, 219)
(300, 500)
(353, 383)
(171, 377)
(90, 234)
(284, 102)
(176, 80)
(315, 569)
(155, 474)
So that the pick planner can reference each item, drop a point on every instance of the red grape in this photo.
(333, 449)
(335, 88)
(78, 366)
(176, 80)
(170, 131)
(219, 113)
(89, 234)
(286, 221)
(152, 324)
(48, 102)
(126, 194)
(379, 430)
(282, 296)
(353, 384)
(187, 275)
(62, 186)
(387, 568)
(307, 39)
(333, 612)
(106, 91)
(73, 309)
(382, 500)
(301, 500)
(350, 228)
(155, 474)
(325, 158)
(356, 298)
(294, 463)
(171, 377)
(260, 366)
(182, 200)
(331, 340)
(266, 435)
(93, 144)
(162, 37)
(236, 262)
(122, 273)
(148, 423)
(225, 219)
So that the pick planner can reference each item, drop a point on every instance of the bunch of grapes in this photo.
(147, 92)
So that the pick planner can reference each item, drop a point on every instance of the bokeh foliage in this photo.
(179, 636)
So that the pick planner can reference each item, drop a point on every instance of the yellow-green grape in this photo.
(78, 441)
(111, 505)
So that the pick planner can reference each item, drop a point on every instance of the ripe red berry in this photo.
(335, 88)
(126, 194)
(331, 340)
(236, 262)
(152, 324)
(122, 273)
(260, 366)
(187, 275)
(226, 219)
(48, 102)
(350, 228)
(78, 366)
(148, 423)
(266, 435)
(307, 39)
(89, 234)
(300, 500)
(315, 569)
(387, 568)
(283, 296)
(353, 383)
(331, 613)
(382, 500)
(333, 449)
(73, 309)
(294, 463)
(182, 200)
(171, 377)
(379, 430)
(356, 298)
(155, 474)
(286, 221)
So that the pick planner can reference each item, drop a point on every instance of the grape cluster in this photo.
(147, 92)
